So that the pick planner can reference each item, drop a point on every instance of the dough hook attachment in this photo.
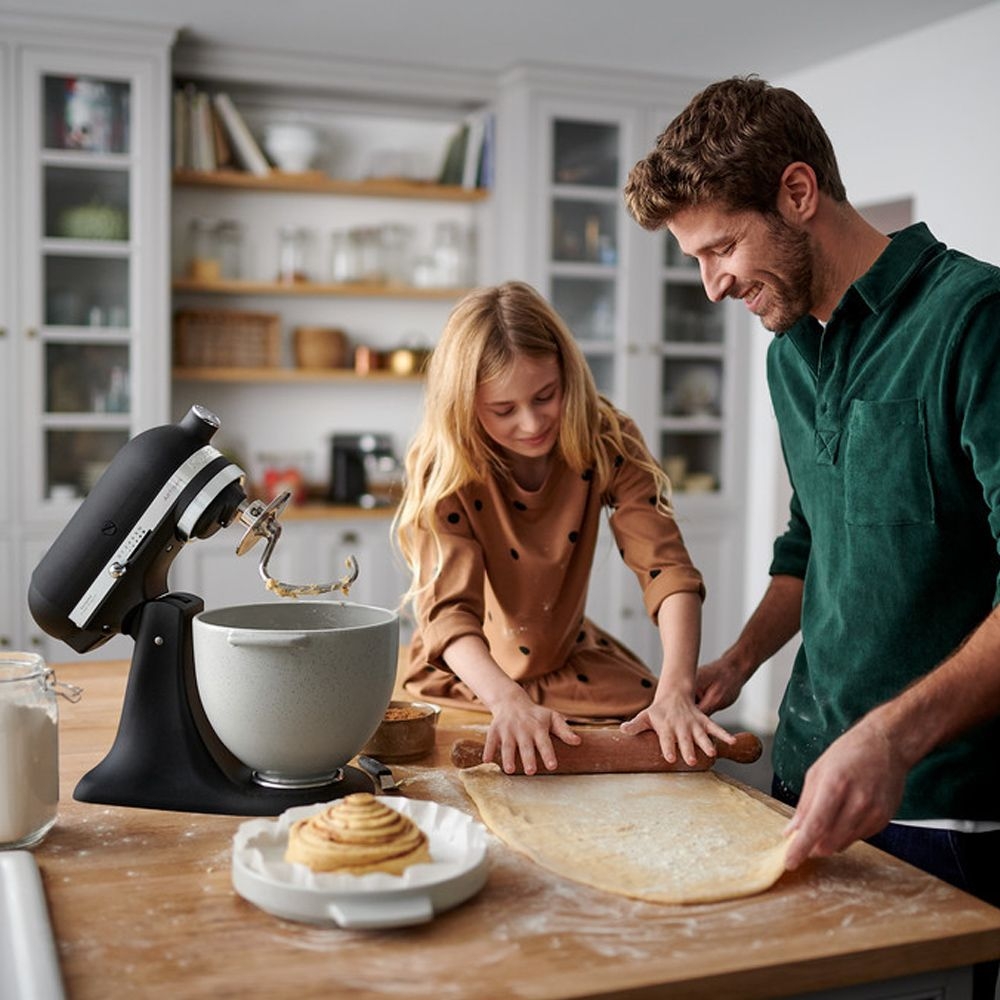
(262, 522)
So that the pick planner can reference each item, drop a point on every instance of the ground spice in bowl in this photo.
(395, 713)
(406, 731)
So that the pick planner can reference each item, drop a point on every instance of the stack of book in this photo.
(210, 134)
(468, 160)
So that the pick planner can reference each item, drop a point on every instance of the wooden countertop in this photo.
(142, 904)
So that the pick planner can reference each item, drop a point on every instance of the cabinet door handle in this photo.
(31, 332)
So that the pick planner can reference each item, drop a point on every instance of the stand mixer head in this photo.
(106, 573)
(164, 488)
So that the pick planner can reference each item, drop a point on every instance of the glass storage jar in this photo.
(29, 748)
(293, 243)
(203, 250)
(229, 242)
(395, 240)
(342, 262)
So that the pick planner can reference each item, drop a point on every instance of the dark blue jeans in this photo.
(968, 861)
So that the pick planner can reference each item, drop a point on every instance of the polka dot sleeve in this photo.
(649, 541)
(450, 605)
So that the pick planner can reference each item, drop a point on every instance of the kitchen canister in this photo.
(29, 747)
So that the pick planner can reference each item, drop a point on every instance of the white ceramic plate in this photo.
(458, 871)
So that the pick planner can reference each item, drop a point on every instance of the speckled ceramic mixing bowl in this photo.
(295, 689)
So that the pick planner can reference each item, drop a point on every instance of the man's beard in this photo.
(794, 267)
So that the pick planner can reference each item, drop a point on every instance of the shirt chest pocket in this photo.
(886, 469)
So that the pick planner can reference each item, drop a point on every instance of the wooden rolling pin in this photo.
(610, 751)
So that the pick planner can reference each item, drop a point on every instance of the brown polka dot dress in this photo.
(516, 571)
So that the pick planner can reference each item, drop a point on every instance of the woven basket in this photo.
(320, 347)
(226, 338)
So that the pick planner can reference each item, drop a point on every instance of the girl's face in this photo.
(521, 410)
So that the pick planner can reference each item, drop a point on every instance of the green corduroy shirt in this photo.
(890, 426)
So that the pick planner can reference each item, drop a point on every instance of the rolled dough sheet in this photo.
(663, 838)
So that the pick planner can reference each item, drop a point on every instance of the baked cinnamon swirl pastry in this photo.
(355, 835)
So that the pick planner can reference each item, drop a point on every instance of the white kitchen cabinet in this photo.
(565, 142)
(657, 347)
(8, 382)
(91, 299)
(84, 305)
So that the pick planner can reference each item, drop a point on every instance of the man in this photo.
(885, 380)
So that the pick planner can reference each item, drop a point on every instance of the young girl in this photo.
(515, 458)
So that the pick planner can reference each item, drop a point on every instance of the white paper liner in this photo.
(457, 845)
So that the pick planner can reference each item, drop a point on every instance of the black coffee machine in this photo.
(363, 469)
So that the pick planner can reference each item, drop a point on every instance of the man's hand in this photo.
(851, 792)
(717, 685)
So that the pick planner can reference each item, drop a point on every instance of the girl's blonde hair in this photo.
(486, 331)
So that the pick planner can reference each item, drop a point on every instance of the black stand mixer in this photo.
(106, 573)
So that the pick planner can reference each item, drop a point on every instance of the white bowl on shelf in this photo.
(292, 146)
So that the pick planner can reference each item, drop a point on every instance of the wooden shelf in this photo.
(355, 289)
(315, 182)
(692, 424)
(313, 510)
(287, 375)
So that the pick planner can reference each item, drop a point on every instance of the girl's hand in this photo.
(519, 726)
(681, 727)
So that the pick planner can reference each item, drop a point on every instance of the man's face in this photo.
(763, 260)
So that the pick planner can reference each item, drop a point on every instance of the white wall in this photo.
(918, 116)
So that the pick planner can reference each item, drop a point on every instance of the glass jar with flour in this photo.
(29, 747)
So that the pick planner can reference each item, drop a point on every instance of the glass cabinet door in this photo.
(628, 295)
(80, 173)
(583, 252)
(692, 381)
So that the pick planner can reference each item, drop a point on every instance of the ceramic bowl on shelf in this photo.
(293, 147)
(93, 221)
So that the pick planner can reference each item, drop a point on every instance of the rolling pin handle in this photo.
(745, 750)
(466, 753)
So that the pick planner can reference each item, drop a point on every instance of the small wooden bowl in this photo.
(405, 732)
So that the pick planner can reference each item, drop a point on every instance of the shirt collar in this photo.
(902, 258)
(906, 254)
